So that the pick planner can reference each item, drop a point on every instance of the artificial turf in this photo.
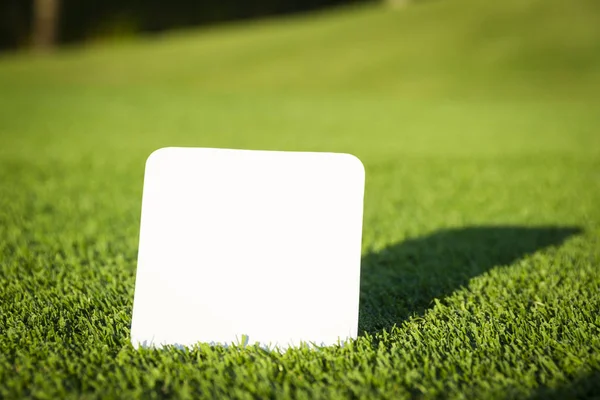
(478, 124)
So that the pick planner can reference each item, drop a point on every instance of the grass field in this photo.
(479, 126)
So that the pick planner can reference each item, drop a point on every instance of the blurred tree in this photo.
(45, 23)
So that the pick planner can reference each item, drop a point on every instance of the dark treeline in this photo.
(78, 20)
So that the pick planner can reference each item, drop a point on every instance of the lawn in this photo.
(479, 126)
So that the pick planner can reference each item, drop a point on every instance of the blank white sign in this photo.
(259, 245)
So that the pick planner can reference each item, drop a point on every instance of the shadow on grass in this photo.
(583, 387)
(403, 279)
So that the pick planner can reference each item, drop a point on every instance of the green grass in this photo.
(478, 125)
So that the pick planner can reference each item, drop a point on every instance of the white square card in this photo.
(260, 245)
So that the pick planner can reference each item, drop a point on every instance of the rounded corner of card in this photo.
(355, 164)
(158, 154)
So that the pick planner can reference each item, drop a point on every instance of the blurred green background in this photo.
(478, 124)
